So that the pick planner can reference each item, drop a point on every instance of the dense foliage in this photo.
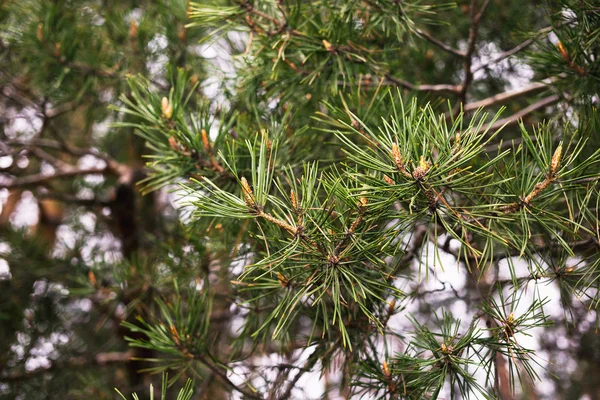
(299, 199)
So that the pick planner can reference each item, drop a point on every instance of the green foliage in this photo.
(185, 393)
(333, 191)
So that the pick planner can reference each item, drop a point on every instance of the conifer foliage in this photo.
(394, 199)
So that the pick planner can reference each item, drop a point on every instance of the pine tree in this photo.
(283, 199)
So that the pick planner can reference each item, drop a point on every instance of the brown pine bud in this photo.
(283, 281)
(40, 32)
(247, 192)
(556, 157)
(397, 156)
(133, 30)
(57, 48)
(392, 306)
(388, 180)
(294, 200)
(175, 334)
(563, 51)
(92, 278)
(173, 143)
(205, 141)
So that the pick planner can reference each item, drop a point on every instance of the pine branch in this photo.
(440, 44)
(513, 119)
(308, 366)
(42, 179)
(90, 360)
(509, 95)
(476, 16)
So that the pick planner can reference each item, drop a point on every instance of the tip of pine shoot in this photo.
(555, 162)
(167, 110)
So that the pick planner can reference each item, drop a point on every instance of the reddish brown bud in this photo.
(133, 29)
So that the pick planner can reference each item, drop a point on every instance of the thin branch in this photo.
(513, 119)
(418, 238)
(506, 54)
(50, 159)
(41, 179)
(440, 44)
(422, 88)
(471, 41)
(509, 95)
(99, 359)
(308, 365)
(223, 376)
(112, 165)
(70, 199)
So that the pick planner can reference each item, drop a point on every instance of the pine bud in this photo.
(167, 110)
(363, 202)
(397, 156)
(92, 278)
(555, 163)
(133, 29)
(510, 320)
(423, 164)
(247, 192)
(175, 334)
(173, 143)
(205, 141)
(563, 52)
(40, 32)
(386, 369)
(388, 180)
(446, 349)
(392, 306)
(283, 281)
(294, 200)
(420, 172)
(328, 46)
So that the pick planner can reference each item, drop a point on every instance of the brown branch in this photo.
(113, 166)
(99, 359)
(281, 24)
(223, 377)
(471, 41)
(308, 365)
(422, 88)
(418, 238)
(509, 95)
(440, 44)
(41, 179)
(70, 199)
(514, 118)
(506, 54)
(50, 159)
